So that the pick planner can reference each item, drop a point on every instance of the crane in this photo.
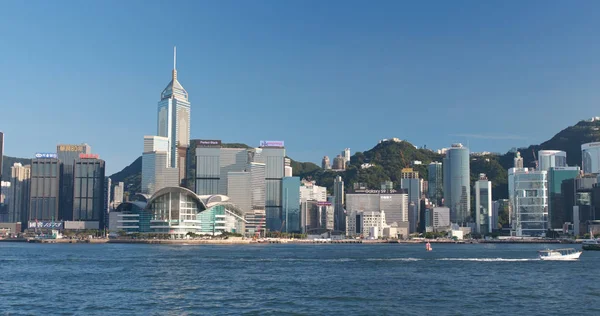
(535, 159)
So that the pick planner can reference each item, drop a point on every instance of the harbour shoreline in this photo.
(244, 241)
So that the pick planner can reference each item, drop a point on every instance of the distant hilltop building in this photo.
(594, 119)
(395, 140)
(325, 163)
(346, 155)
(339, 163)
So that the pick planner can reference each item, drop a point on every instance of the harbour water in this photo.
(276, 279)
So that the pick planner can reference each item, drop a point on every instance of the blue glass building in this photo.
(290, 215)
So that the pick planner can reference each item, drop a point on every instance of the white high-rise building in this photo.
(174, 118)
(590, 158)
(483, 205)
(155, 160)
(551, 158)
(310, 191)
(247, 188)
(118, 194)
(230, 159)
(441, 218)
(528, 198)
(346, 155)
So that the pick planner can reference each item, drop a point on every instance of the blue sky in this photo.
(320, 75)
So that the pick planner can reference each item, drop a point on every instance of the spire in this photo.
(174, 88)
(174, 62)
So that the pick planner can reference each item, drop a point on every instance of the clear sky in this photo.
(320, 75)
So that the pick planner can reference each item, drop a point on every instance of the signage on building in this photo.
(392, 191)
(46, 155)
(271, 143)
(70, 148)
(323, 203)
(45, 224)
(208, 143)
(88, 156)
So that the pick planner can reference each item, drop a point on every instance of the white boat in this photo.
(566, 254)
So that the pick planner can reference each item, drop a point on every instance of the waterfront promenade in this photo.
(242, 241)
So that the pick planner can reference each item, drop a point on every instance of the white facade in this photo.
(483, 204)
(346, 155)
(551, 158)
(590, 158)
(310, 191)
(118, 194)
(230, 159)
(239, 188)
(174, 117)
(373, 221)
(528, 195)
(441, 217)
(155, 173)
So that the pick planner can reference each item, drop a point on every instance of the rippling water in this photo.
(351, 279)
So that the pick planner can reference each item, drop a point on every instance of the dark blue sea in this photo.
(326, 279)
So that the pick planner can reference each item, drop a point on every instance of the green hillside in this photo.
(390, 157)
(8, 162)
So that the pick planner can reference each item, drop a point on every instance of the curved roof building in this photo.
(178, 211)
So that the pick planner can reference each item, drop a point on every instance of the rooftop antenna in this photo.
(174, 62)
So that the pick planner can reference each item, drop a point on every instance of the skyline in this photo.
(332, 64)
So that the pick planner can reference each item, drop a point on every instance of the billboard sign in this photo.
(45, 224)
(271, 143)
(323, 203)
(88, 156)
(46, 155)
(70, 148)
(208, 143)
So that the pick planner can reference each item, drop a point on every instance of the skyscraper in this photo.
(483, 205)
(207, 167)
(272, 154)
(558, 212)
(412, 184)
(118, 193)
(291, 204)
(590, 158)
(88, 203)
(230, 159)
(174, 119)
(457, 187)
(19, 197)
(338, 206)
(67, 154)
(435, 183)
(551, 158)
(44, 189)
(528, 193)
(155, 173)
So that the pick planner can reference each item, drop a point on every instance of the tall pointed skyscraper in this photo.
(174, 120)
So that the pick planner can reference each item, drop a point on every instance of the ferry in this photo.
(565, 254)
(590, 244)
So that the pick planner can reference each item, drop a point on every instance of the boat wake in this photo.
(489, 259)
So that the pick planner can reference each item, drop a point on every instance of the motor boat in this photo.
(566, 254)
(428, 247)
(590, 244)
